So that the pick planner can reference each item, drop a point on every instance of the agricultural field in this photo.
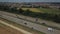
(49, 10)
(32, 9)
(44, 10)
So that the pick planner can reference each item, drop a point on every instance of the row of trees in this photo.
(53, 17)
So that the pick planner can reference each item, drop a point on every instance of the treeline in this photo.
(52, 17)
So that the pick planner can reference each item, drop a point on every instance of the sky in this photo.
(29, 0)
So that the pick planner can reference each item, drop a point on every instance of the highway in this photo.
(29, 24)
(50, 23)
(14, 27)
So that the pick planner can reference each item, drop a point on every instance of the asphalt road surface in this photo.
(29, 24)
(23, 31)
(50, 23)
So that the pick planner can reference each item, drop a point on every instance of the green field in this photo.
(44, 10)
(51, 11)
(32, 9)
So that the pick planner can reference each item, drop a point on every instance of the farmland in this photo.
(44, 10)
(51, 11)
(32, 9)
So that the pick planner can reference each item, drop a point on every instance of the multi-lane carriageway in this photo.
(13, 17)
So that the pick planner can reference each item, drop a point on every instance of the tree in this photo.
(27, 12)
(20, 11)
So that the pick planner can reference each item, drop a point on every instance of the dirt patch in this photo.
(8, 30)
